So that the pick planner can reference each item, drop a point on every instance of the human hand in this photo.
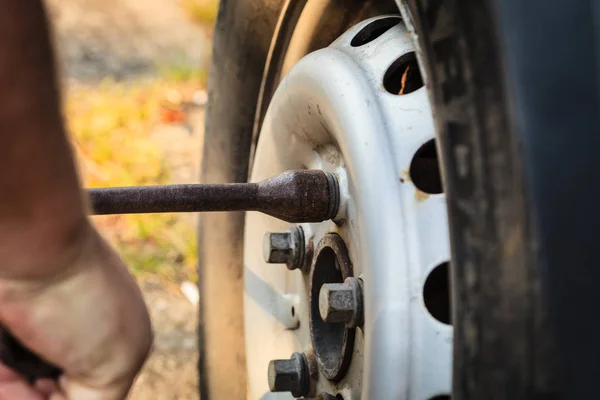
(89, 319)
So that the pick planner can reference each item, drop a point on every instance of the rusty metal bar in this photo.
(293, 196)
(174, 198)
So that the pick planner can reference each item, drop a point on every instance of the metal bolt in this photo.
(342, 302)
(290, 375)
(285, 247)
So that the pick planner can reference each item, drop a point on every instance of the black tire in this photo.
(520, 247)
(497, 313)
(495, 179)
(241, 42)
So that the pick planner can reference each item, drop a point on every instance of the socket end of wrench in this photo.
(300, 196)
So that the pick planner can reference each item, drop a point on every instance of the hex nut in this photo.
(342, 302)
(277, 247)
(285, 247)
(289, 375)
(336, 303)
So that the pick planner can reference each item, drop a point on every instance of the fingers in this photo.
(7, 374)
(46, 386)
(43, 386)
(12, 386)
(76, 390)
(19, 390)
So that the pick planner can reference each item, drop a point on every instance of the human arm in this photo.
(64, 293)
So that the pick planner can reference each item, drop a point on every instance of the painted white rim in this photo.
(332, 112)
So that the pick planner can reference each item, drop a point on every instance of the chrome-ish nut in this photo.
(285, 247)
(342, 302)
(290, 375)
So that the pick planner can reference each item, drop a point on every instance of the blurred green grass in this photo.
(182, 73)
(111, 126)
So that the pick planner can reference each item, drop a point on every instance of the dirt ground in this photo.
(170, 373)
(126, 40)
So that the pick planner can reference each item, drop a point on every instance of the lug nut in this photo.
(285, 247)
(290, 375)
(342, 302)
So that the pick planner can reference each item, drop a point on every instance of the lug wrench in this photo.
(293, 196)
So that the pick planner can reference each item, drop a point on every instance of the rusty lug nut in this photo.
(285, 247)
(290, 375)
(342, 302)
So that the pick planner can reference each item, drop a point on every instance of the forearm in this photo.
(41, 209)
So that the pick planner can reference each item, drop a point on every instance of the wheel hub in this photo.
(332, 342)
(356, 109)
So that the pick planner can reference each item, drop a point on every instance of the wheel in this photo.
(339, 110)
(358, 108)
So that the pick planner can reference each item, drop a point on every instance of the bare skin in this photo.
(64, 293)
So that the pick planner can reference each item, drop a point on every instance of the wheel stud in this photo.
(290, 375)
(342, 302)
(285, 247)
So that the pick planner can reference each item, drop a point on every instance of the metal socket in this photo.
(290, 375)
(285, 247)
(342, 302)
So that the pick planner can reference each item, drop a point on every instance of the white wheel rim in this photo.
(332, 112)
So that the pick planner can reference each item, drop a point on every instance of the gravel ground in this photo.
(123, 40)
(170, 373)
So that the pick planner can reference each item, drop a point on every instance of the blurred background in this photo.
(134, 75)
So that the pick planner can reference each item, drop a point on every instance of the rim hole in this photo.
(437, 297)
(373, 30)
(293, 311)
(425, 169)
(403, 76)
(441, 397)
(339, 397)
